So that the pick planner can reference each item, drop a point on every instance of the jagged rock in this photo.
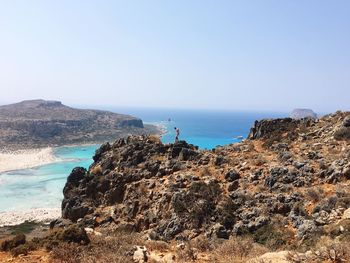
(76, 175)
(269, 127)
(232, 175)
(233, 186)
(177, 192)
(307, 227)
(220, 231)
(346, 122)
(103, 148)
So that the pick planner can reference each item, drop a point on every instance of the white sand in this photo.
(25, 159)
(37, 215)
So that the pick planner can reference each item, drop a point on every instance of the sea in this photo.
(41, 187)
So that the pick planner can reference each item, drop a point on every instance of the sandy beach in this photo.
(25, 159)
(12, 218)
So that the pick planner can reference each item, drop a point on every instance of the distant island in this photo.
(41, 123)
(303, 113)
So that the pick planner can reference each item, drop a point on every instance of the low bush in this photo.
(114, 248)
(9, 244)
(342, 133)
(314, 194)
(273, 236)
(237, 249)
(96, 170)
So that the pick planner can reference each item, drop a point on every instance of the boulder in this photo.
(220, 231)
(232, 175)
(140, 255)
(346, 214)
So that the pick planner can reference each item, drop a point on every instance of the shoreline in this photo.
(38, 215)
(26, 159)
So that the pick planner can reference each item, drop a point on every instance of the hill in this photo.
(40, 123)
(303, 113)
(286, 188)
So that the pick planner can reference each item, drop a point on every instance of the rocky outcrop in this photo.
(288, 191)
(272, 127)
(39, 123)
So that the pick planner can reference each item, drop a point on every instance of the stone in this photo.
(103, 148)
(220, 231)
(141, 254)
(346, 122)
(233, 186)
(232, 175)
(346, 214)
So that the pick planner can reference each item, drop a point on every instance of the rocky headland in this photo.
(41, 123)
(282, 195)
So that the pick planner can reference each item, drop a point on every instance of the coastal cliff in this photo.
(40, 123)
(284, 188)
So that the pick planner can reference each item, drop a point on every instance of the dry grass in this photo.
(154, 138)
(97, 170)
(154, 245)
(237, 249)
(259, 160)
(315, 194)
(187, 253)
(205, 172)
(114, 248)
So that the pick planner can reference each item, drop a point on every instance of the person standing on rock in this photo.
(177, 132)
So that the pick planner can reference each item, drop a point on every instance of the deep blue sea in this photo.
(41, 187)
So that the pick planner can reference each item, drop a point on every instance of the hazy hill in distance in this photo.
(40, 123)
(303, 113)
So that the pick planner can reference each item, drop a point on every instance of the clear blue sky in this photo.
(260, 55)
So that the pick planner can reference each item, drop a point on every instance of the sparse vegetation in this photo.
(238, 250)
(25, 228)
(96, 170)
(315, 194)
(116, 248)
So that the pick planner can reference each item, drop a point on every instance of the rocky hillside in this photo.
(37, 123)
(287, 187)
(290, 179)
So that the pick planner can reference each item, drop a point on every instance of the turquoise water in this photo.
(41, 187)
(204, 128)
